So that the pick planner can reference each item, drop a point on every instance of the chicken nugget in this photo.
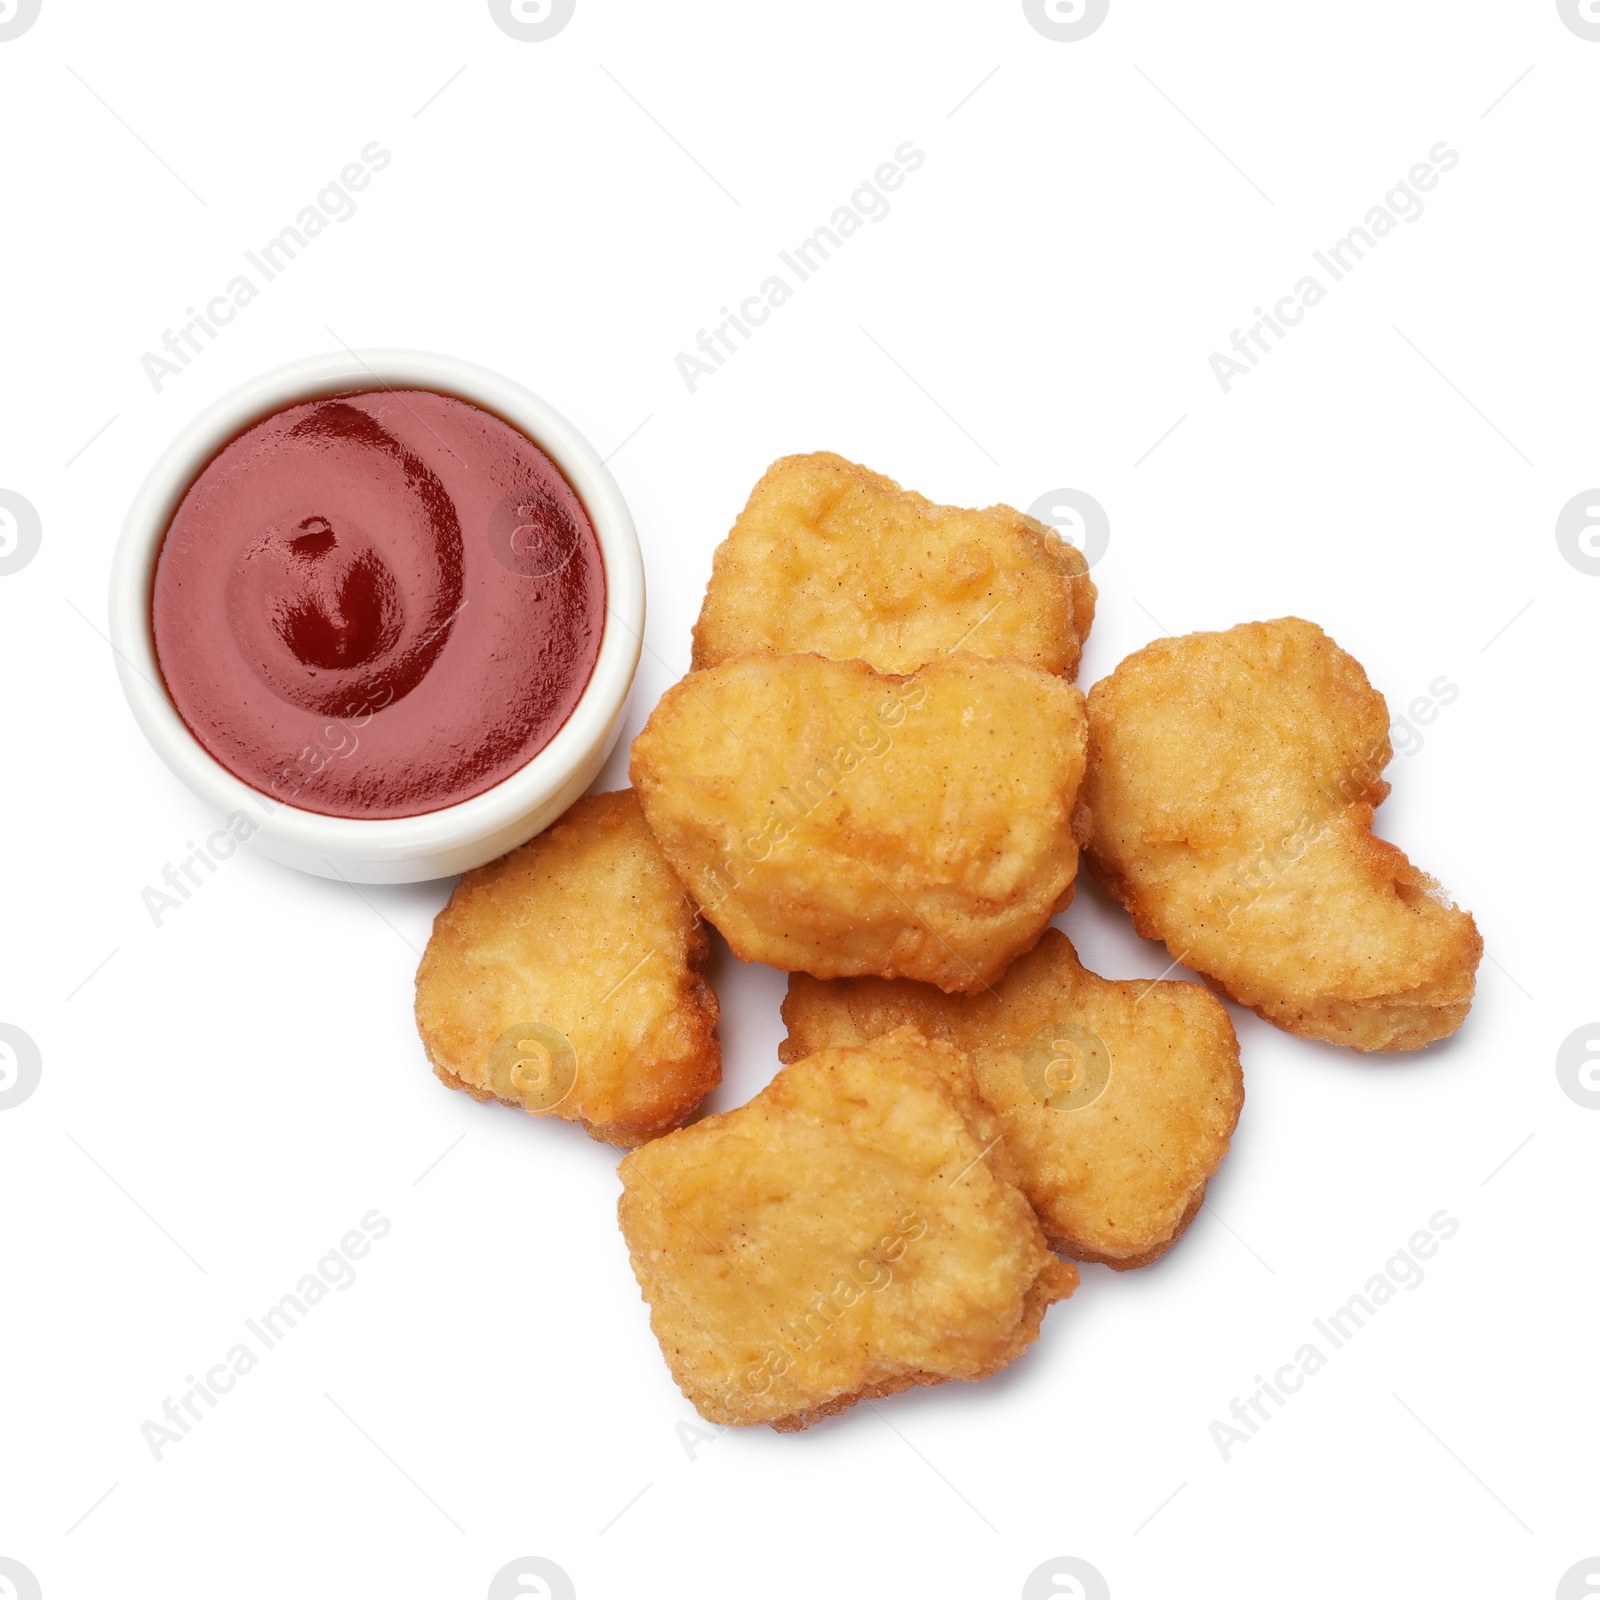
(833, 820)
(830, 557)
(1232, 786)
(851, 1232)
(568, 978)
(1117, 1100)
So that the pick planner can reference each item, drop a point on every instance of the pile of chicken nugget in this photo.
(878, 777)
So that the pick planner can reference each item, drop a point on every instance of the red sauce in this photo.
(378, 604)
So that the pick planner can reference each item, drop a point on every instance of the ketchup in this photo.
(378, 604)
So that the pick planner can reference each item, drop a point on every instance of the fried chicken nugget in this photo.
(833, 820)
(853, 1231)
(568, 978)
(1117, 1100)
(830, 557)
(1232, 787)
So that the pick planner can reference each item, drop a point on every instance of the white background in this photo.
(223, 1096)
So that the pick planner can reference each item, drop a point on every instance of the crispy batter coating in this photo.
(851, 1232)
(836, 821)
(568, 978)
(1232, 787)
(1117, 1100)
(831, 557)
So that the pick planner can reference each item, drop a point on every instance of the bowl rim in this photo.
(378, 839)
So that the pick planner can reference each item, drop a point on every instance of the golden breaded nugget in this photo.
(836, 821)
(1117, 1100)
(568, 978)
(1232, 788)
(830, 557)
(851, 1232)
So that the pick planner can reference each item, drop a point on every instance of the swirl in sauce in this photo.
(378, 604)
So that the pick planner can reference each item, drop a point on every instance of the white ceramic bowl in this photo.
(401, 849)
